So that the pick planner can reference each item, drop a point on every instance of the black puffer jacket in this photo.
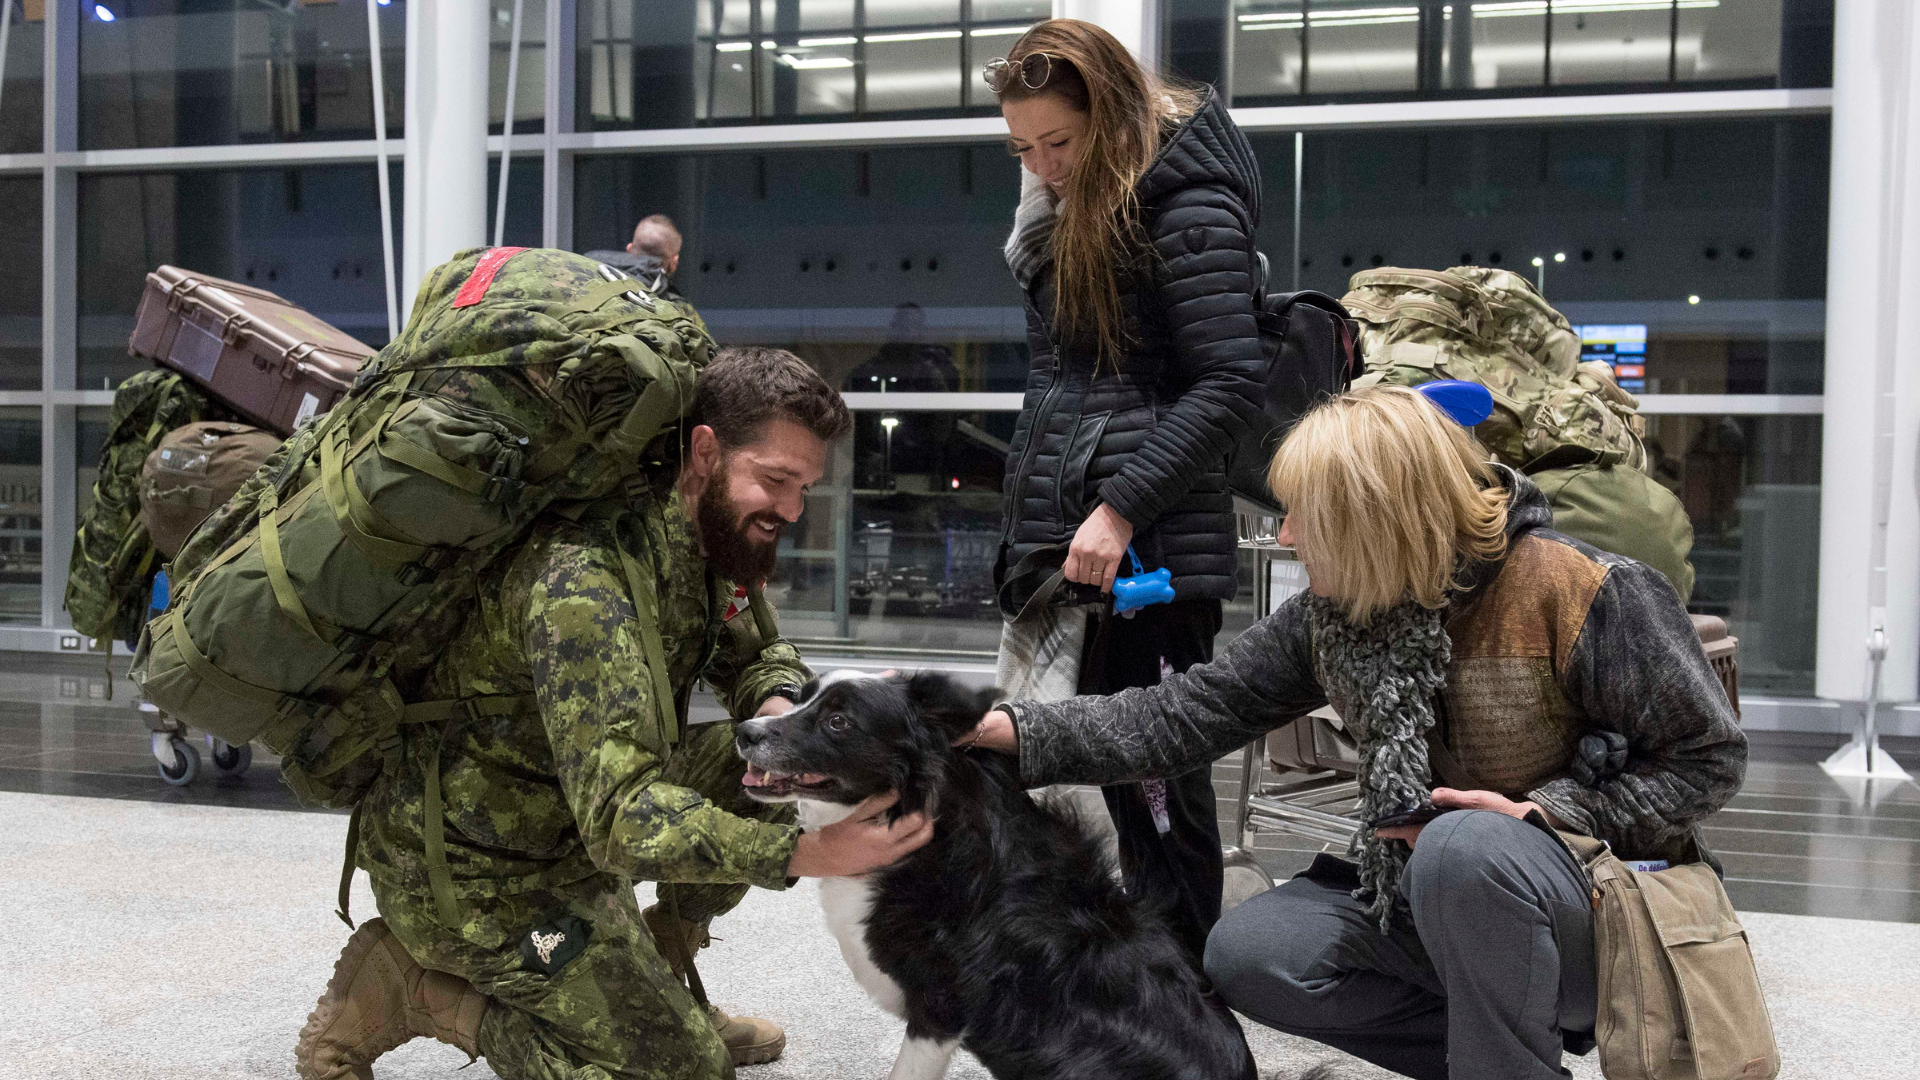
(1151, 440)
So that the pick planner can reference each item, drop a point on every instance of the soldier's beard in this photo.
(729, 536)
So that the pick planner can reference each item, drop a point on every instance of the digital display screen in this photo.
(1621, 346)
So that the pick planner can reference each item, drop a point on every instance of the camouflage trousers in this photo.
(614, 1011)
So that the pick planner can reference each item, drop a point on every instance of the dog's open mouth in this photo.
(766, 782)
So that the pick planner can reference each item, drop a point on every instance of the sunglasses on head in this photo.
(1033, 69)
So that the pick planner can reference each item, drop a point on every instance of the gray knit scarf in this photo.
(1030, 246)
(1385, 673)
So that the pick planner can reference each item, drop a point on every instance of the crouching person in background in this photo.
(1547, 684)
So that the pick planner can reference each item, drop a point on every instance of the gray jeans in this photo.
(1500, 979)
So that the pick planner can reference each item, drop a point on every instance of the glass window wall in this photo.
(1711, 237)
(21, 94)
(310, 234)
(681, 63)
(20, 283)
(216, 72)
(19, 515)
(1284, 51)
(1751, 485)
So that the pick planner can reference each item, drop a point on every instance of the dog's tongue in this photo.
(754, 778)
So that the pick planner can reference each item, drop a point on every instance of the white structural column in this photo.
(1869, 504)
(59, 313)
(1135, 22)
(446, 165)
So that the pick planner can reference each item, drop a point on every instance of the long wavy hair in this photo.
(1097, 236)
(1388, 500)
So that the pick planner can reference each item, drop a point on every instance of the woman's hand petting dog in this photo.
(1469, 800)
(862, 843)
(995, 731)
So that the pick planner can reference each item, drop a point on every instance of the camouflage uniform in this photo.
(555, 812)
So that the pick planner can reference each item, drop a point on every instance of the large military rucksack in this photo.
(110, 574)
(1565, 422)
(307, 610)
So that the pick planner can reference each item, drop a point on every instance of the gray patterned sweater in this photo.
(1576, 681)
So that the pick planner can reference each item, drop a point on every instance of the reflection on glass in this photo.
(1370, 48)
(1647, 215)
(689, 62)
(530, 94)
(821, 248)
(1751, 486)
(1727, 41)
(19, 515)
(20, 88)
(897, 545)
(1361, 47)
(183, 73)
(20, 283)
(310, 234)
(1617, 43)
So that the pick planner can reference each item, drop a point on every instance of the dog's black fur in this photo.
(1008, 930)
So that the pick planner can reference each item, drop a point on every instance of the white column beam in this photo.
(1869, 507)
(446, 140)
(556, 198)
(59, 318)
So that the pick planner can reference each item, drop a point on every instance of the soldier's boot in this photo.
(378, 998)
(750, 1041)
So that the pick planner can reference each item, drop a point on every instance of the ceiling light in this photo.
(103, 13)
(1559, 256)
(733, 46)
(823, 42)
(1693, 299)
(815, 63)
(1538, 261)
(1001, 31)
(917, 35)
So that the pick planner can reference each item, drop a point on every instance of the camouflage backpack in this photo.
(1566, 424)
(306, 611)
(110, 575)
(1492, 327)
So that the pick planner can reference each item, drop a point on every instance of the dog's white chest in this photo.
(847, 902)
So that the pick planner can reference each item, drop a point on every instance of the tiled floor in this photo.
(1794, 840)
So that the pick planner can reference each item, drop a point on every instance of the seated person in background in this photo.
(1554, 685)
(652, 257)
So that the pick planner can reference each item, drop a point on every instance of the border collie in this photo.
(1006, 933)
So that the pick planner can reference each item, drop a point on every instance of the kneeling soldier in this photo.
(531, 950)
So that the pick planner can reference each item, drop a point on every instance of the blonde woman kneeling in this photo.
(1565, 682)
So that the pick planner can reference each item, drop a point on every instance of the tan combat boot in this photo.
(377, 999)
(749, 1041)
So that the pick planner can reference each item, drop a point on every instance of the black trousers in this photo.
(1169, 830)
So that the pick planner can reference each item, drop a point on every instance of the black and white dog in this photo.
(1007, 933)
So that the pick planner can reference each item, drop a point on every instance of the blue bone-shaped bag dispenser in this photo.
(1133, 593)
(1466, 402)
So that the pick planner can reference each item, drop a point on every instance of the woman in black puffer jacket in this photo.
(1134, 243)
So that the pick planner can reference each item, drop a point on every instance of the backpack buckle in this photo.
(425, 569)
(503, 489)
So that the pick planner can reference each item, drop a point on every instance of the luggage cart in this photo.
(176, 758)
(1317, 763)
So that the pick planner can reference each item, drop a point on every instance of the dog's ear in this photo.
(811, 688)
(944, 703)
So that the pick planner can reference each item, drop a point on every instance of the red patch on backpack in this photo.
(482, 279)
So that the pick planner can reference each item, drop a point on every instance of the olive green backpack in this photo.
(1565, 423)
(110, 576)
(307, 610)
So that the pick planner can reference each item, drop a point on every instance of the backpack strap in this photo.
(448, 713)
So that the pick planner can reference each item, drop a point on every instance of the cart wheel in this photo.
(185, 765)
(230, 759)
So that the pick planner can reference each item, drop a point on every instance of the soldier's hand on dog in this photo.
(861, 843)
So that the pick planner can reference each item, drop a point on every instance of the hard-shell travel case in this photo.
(258, 353)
